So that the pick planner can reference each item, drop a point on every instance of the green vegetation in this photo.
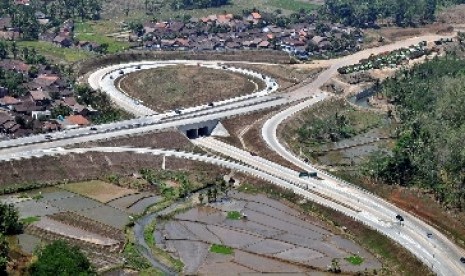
(248, 188)
(30, 220)
(337, 120)
(366, 13)
(292, 5)
(25, 20)
(430, 102)
(148, 233)
(61, 258)
(100, 101)
(354, 259)
(85, 31)
(391, 59)
(197, 4)
(235, 215)
(53, 52)
(133, 257)
(9, 220)
(150, 272)
(221, 249)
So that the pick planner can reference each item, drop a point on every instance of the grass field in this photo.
(29, 220)
(235, 215)
(97, 31)
(57, 54)
(98, 190)
(184, 86)
(221, 249)
(292, 5)
(113, 9)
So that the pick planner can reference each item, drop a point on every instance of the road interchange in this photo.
(438, 253)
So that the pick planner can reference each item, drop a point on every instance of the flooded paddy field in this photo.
(268, 237)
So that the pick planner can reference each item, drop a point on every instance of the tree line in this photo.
(429, 152)
(25, 17)
(367, 13)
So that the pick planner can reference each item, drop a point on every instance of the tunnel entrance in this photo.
(192, 133)
(203, 131)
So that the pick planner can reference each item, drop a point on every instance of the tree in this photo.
(214, 193)
(103, 49)
(61, 110)
(14, 50)
(33, 72)
(209, 195)
(3, 50)
(9, 223)
(59, 258)
(3, 254)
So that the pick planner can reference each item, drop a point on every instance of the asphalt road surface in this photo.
(437, 252)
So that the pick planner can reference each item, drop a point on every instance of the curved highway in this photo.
(437, 252)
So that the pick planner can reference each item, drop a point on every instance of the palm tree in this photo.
(214, 193)
(209, 195)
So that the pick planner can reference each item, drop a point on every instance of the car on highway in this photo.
(211, 104)
(462, 260)
(177, 111)
(429, 235)
(48, 136)
(138, 67)
(121, 72)
(93, 128)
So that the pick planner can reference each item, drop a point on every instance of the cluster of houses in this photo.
(33, 112)
(62, 37)
(65, 38)
(227, 32)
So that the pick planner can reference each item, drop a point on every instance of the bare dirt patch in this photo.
(174, 87)
(392, 34)
(169, 139)
(286, 75)
(246, 134)
(452, 15)
(98, 190)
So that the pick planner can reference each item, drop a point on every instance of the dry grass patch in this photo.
(174, 87)
(286, 75)
(98, 190)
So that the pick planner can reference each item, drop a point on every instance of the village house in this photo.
(41, 115)
(63, 41)
(40, 97)
(74, 121)
(27, 107)
(15, 65)
(46, 80)
(9, 102)
(8, 124)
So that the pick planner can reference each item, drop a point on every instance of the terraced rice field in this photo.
(270, 238)
(90, 214)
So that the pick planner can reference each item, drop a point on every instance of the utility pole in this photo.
(163, 164)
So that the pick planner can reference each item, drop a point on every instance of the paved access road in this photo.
(437, 252)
